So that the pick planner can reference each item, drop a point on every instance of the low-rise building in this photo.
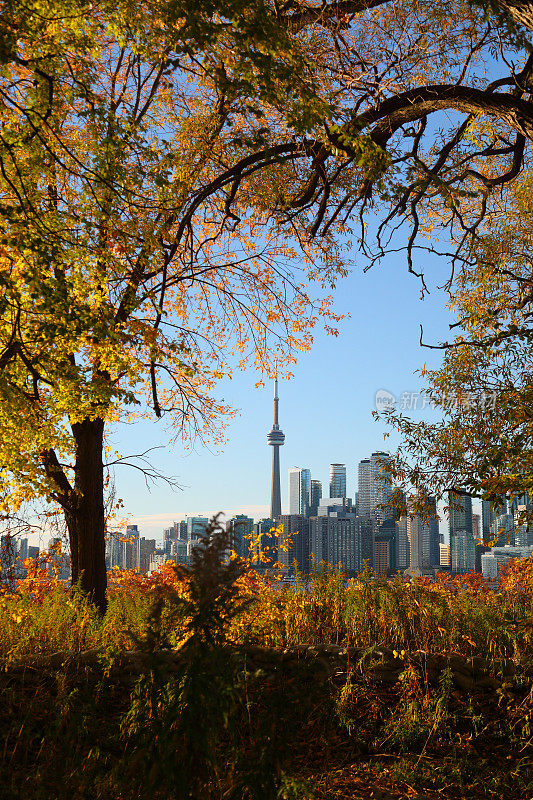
(493, 561)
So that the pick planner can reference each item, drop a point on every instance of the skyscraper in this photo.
(129, 547)
(275, 439)
(418, 536)
(8, 553)
(434, 533)
(460, 513)
(170, 535)
(299, 491)
(143, 551)
(316, 495)
(374, 489)
(404, 546)
(196, 528)
(364, 494)
(337, 480)
(489, 512)
(240, 529)
(114, 551)
(266, 544)
(336, 541)
(386, 548)
(462, 544)
(294, 542)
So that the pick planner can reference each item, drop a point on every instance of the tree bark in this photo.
(86, 521)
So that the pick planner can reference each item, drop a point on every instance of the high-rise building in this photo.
(462, 543)
(404, 548)
(114, 551)
(179, 551)
(521, 509)
(316, 494)
(319, 540)
(524, 536)
(299, 491)
(129, 547)
(498, 557)
(520, 503)
(240, 529)
(382, 486)
(418, 536)
(275, 439)
(367, 542)
(334, 506)
(196, 527)
(375, 488)
(486, 519)
(23, 549)
(462, 552)
(157, 559)
(433, 532)
(386, 548)
(143, 552)
(345, 543)
(266, 544)
(476, 526)
(445, 558)
(337, 480)
(294, 542)
(502, 530)
(8, 554)
(336, 541)
(460, 513)
(364, 488)
(21, 554)
(489, 512)
(422, 530)
(58, 559)
(170, 535)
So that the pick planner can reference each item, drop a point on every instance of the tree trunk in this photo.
(86, 520)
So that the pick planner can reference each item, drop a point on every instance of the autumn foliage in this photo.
(463, 614)
(215, 722)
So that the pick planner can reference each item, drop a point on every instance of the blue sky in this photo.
(325, 410)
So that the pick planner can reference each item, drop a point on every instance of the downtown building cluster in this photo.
(363, 532)
(14, 551)
(367, 531)
(133, 551)
(501, 527)
(334, 529)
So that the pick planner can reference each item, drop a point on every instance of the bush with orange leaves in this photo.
(517, 576)
(463, 614)
(42, 577)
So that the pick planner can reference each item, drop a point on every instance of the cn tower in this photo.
(275, 438)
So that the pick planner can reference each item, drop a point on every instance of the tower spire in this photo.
(275, 439)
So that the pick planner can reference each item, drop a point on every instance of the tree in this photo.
(483, 444)
(140, 174)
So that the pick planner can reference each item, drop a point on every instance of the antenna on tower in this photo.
(275, 439)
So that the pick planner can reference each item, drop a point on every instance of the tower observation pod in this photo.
(275, 438)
